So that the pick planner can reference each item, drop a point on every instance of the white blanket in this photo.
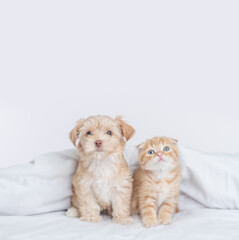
(44, 184)
(209, 179)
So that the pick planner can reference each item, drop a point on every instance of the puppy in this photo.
(103, 179)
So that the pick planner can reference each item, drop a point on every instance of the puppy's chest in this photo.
(103, 189)
(104, 182)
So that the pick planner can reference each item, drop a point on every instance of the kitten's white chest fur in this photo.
(162, 189)
(162, 192)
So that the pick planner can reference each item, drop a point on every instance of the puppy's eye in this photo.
(109, 133)
(89, 133)
(151, 152)
(166, 148)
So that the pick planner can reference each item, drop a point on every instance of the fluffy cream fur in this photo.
(103, 181)
(156, 181)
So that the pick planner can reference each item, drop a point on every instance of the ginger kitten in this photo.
(103, 180)
(156, 181)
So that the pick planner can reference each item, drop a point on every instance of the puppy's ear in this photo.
(127, 130)
(74, 133)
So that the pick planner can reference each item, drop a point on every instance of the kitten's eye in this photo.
(166, 148)
(109, 133)
(89, 133)
(151, 152)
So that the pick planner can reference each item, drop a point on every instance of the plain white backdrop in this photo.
(169, 67)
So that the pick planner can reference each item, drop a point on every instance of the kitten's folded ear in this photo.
(173, 140)
(127, 130)
(74, 133)
(140, 146)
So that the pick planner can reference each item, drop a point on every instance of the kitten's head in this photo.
(100, 136)
(158, 153)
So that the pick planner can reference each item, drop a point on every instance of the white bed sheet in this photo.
(201, 224)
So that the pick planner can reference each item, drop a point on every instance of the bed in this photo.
(203, 224)
(34, 197)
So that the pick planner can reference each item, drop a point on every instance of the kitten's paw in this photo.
(164, 220)
(72, 212)
(123, 220)
(91, 219)
(149, 222)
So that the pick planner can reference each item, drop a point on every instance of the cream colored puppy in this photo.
(102, 180)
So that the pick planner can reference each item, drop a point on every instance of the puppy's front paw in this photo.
(149, 222)
(123, 220)
(72, 212)
(92, 219)
(164, 219)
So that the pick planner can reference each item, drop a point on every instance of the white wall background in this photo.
(170, 67)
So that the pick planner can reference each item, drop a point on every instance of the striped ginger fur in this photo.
(156, 181)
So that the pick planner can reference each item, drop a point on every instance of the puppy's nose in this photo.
(98, 143)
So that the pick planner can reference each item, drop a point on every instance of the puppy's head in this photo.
(158, 153)
(100, 136)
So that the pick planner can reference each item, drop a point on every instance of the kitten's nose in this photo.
(98, 143)
(160, 155)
